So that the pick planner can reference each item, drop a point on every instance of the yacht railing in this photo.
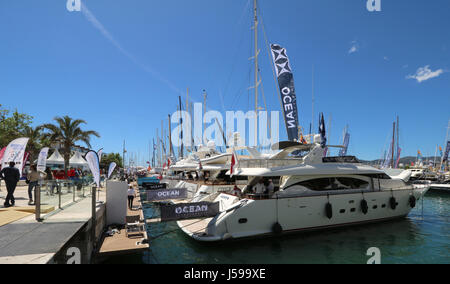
(269, 163)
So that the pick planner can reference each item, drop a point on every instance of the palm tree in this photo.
(35, 143)
(67, 132)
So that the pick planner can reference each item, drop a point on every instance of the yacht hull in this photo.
(255, 218)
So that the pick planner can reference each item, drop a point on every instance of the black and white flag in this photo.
(287, 89)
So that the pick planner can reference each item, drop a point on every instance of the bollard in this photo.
(59, 188)
(37, 202)
(94, 214)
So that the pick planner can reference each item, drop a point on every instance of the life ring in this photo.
(364, 206)
(393, 203)
(329, 210)
(277, 229)
(412, 201)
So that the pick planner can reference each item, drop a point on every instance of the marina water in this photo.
(422, 237)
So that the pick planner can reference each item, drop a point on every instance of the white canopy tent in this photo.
(55, 159)
(78, 161)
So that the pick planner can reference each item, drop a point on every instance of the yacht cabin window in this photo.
(333, 183)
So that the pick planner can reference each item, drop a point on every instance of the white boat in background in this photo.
(444, 186)
(317, 193)
(422, 173)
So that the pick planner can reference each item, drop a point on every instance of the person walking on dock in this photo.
(131, 195)
(33, 177)
(11, 175)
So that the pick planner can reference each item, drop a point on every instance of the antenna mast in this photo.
(312, 112)
(256, 69)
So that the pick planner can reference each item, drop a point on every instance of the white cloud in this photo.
(99, 26)
(425, 73)
(354, 48)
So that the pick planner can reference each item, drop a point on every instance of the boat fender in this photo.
(329, 210)
(393, 203)
(412, 201)
(364, 206)
(227, 236)
(277, 229)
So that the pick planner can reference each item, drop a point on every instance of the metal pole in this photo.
(59, 188)
(37, 198)
(393, 142)
(256, 69)
(94, 214)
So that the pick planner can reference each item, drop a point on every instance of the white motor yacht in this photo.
(311, 193)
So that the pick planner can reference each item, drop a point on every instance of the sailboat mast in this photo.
(205, 95)
(256, 68)
(181, 150)
(123, 155)
(445, 143)
(162, 142)
(393, 144)
(170, 138)
(312, 103)
(398, 141)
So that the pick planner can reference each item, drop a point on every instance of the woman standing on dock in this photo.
(131, 195)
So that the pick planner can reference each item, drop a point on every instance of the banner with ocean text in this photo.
(287, 89)
(166, 194)
(185, 211)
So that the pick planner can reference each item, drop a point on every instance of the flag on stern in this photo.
(322, 131)
(234, 164)
(343, 151)
(287, 89)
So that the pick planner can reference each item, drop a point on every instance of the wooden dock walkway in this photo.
(120, 243)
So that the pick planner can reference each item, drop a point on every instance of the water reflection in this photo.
(415, 239)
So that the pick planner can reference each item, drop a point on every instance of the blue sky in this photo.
(123, 69)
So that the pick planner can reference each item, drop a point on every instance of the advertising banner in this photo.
(42, 159)
(94, 166)
(166, 194)
(185, 211)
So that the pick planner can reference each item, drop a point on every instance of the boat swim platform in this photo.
(121, 244)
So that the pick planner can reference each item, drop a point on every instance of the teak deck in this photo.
(120, 243)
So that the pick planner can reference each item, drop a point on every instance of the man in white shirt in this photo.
(131, 195)
(259, 188)
(270, 188)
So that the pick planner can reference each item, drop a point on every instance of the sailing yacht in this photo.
(315, 193)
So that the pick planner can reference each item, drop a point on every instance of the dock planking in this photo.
(120, 243)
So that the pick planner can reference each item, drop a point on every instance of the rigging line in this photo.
(239, 93)
(262, 89)
(106, 34)
(237, 50)
(271, 63)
